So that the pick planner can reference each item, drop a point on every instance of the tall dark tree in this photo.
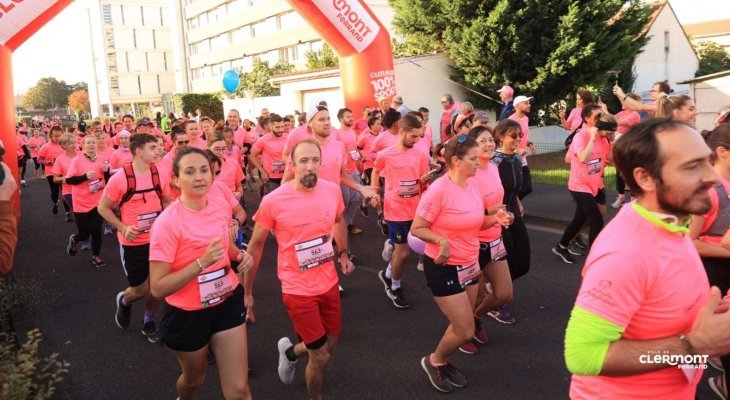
(543, 48)
(713, 58)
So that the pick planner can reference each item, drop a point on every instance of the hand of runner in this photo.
(504, 217)
(130, 232)
(426, 178)
(532, 148)
(237, 195)
(233, 229)
(245, 262)
(444, 252)
(710, 332)
(264, 177)
(561, 114)
(248, 301)
(375, 201)
(213, 253)
(368, 192)
(593, 131)
(91, 175)
(346, 264)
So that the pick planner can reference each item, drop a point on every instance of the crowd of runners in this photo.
(171, 192)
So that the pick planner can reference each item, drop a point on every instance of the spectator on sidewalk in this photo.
(399, 106)
(449, 109)
(506, 93)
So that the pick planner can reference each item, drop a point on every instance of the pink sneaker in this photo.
(480, 334)
(469, 348)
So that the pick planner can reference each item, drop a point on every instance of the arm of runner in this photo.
(254, 159)
(367, 192)
(105, 208)
(703, 248)
(584, 154)
(255, 249)
(75, 180)
(421, 228)
(340, 236)
(498, 215)
(164, 283)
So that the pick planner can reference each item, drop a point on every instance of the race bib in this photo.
(95, 185)
(497, 249)
(315, 252)
(277, 167)
(355, 155)
(408, 189)
(145, 221)
(468, 273)
(594, 166)
(214, 286)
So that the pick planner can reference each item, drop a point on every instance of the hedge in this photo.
(209, 103)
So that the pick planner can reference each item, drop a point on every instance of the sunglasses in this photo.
(218, 149)
(182, 142)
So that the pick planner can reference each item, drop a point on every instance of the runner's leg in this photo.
(231, 353)
(193, 365)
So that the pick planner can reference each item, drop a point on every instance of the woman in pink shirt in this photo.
(35, 143)
(574, 121)
(191, 267)
(46, 157)
(60, 169)
(449, 217)
(365, 144)
(232, 151)
(625, 119)
(230, 172)
(122, 155)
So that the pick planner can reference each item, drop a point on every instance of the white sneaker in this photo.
(22, 183)
(286, 368)
(387, 250)
(618, 203)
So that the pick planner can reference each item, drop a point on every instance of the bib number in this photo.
(355, 155)
(315, 252)
(408, 189)
(497, 250)
(277, 167)
(467, 273)
(145, 221)
(214, 287)
(594, 166)
(95, 185)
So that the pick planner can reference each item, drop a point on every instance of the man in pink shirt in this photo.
(406, 171)
(645, 319)
(522, 108)
(426, 141)
(305, 263)
(266, 155)
(139, 207)
(448, 111)
(349, 140)
(362, 123)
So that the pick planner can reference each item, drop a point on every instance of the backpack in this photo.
(132, 185)
(569, 139)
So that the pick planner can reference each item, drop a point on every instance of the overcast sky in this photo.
(62, 48)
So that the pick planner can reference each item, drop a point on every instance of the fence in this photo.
(548, 166)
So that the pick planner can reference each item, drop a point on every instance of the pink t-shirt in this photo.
(199, 143)
(384, 140)
(366, 144)
(360, 125)
(305, 256)
(239, 137)
(333, 158)
(47, 155)
(348, 138)
(628, 117)
(270, 149)
(60, 168)
(424, 144)
(234, 153)
(525, 125)
(490, 187)
(650, 282)
(106, 154)
(86, 194)
(455, 213)
(402, 168)
(231, 174)
(120, 157)
(35, 144)
(574, 118)
(711, 215)
(20, 141)
(180, 236)
(295, 136)
(142, 209)
(587, 177)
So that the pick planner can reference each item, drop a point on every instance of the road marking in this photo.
(544, 229)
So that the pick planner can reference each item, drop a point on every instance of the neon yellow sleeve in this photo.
(587, 339)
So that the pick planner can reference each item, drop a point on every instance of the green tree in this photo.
(713, 58)
(258, 80)
(543, 48)
(209, 103)
(324, 58)
(48, 93)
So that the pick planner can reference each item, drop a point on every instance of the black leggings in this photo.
(620, 184)
(719, 275)
(37, 165)
(89, 224)
(586, 209)
(526, 183)
(517, 244)
(21, 165)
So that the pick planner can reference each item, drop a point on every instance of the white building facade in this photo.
(132, 52)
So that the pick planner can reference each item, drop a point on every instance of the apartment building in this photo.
(132, 52)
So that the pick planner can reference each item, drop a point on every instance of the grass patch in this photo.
(550, 168)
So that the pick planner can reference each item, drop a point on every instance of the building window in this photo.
(162, 21)
(106, 13)
(164, 60)
(139, 83)
(121, 12)
(154, 40)
(158, 84)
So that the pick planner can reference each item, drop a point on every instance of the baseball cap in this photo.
(124, 133)
(313, 109)
(507, 90)
(481, 115)
(143, 121)
(521, 99)
(398, 100)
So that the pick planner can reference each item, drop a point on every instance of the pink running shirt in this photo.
(231, 174)
(47, 155)
(366, 144)
(574, 118)
(120, 157)
(490, 187)
(87, 194)
(525, 125)
(60, 168)
(35, 144)
(587, 177)
(270, 149)
(348, 138)
(403, 169)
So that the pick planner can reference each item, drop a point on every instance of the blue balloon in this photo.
(230, 80)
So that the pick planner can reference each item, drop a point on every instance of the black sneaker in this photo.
(98, 262)
(69, 218)
(396, 296)
(123, 315)
(563, 254)
(149, 330)
(383, 226)
(437, 375)
(73, 245)
(386, 281)
(578, 241)
(454, 377)
(54, 210)
(575, 250)
(364, 210)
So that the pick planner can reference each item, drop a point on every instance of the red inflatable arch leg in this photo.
(7, 116)
(361, 41)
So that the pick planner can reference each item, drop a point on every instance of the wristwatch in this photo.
(339, 253)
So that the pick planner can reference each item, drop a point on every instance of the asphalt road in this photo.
(379, 351)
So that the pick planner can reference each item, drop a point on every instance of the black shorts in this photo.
(443, 279)
(601, 196)
(365, 177)
(136, 263)
(485, 252)
(182, 330)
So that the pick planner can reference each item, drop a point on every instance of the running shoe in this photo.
(396, 296)
(502, 315)
(364, 210)
(123, 315)
(354, 230)
(22, 182)
(387, 252)
(437, 375)
(341, 289)
(73, 245)
(98, 262)
(575, 250)
(149, 330)
(618, 203)
(469, 348)
(480, 334)
(563, 254)
(286, 368)
(455, 377)
(420, 265)
(86, 245)
(387, 282)
(54, 210)
(69, 218)
(578, 240)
